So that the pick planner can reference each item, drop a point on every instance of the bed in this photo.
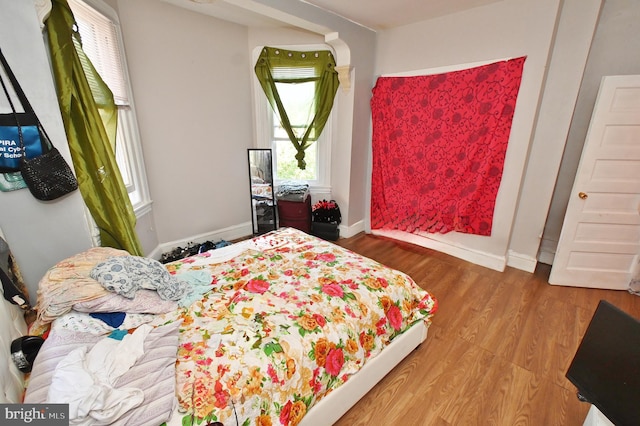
(284, 328)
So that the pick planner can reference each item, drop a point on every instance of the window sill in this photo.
(143, 208)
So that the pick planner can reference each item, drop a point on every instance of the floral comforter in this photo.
(288, 320)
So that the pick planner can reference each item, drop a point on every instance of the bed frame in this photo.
(337, 403)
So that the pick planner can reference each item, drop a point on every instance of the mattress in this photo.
(283, 321)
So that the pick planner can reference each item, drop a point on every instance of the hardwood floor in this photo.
(496, 352)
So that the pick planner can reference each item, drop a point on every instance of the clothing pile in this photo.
(191, 249)
(293, 191)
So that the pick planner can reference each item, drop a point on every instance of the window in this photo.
(272, 135)
(101, 41)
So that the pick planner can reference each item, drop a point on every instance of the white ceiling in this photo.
(374, 14)
(385, 14)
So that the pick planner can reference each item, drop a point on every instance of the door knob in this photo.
(582, 195)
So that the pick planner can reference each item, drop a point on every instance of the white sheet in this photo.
(84, 380)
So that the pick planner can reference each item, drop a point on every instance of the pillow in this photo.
(143, 302)
(153, 373)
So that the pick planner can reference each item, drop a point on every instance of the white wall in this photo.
(573, 39)
(615, 51)
(555, 35)
(39, 233)
(357, 49)
(190, 75)
(556, 45)
(199, 188)
(178, 58)
(341, 149)
(507, 29)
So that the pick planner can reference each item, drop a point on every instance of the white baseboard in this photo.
(515, 260)
(350, 231)
(546, 258)
(234, 233)
(547, 251)
(227, 234)
(521, 261)
(487, 260)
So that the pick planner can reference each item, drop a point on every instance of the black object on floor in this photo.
(191, 249)
(326, 231)
(606, 366)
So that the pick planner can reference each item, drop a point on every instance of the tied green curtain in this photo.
(303, 123)
(90, 119)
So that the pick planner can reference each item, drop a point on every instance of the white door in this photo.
(600, 238)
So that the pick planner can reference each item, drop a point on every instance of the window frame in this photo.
(264, 122)
(128, 130)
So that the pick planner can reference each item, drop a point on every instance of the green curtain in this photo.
(90, 119)
(279, 66)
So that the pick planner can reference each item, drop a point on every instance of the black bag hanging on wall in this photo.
(11, 151)
(47, 175)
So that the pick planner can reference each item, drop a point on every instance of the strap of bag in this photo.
(13, 108)
(11, 292)
(16, 86)
(23, 100)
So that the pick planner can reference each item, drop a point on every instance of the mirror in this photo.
(263, 207)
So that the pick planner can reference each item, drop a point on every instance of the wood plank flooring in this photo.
(497, 350)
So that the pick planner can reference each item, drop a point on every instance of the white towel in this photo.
(84, 380)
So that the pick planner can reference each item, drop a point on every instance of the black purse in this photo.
(48, 176)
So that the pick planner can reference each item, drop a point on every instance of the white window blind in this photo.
(99, 30)
(100, 44)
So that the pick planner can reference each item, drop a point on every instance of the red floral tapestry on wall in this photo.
(439, 143)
